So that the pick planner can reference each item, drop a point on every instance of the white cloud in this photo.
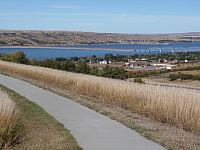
(60, 6)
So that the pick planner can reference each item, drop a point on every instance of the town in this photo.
(144, 62)
(115, 66)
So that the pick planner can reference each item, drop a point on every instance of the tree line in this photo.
(73, 64)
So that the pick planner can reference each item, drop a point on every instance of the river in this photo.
(102, 49)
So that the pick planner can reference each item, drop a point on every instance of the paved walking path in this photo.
(92, 130)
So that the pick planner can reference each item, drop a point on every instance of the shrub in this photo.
(174, 77)
(8, 122)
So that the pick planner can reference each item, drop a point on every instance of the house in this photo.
(162, 61)
(104, 62)
(143, 59)
(126, 63)
(184, 61)
(163, 66)
(91, 62)
(174, 61)
(131, 60)
(142, 64)
(168, 67)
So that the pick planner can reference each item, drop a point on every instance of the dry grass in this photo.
(38, 130)
(179, 107)
(8, 117)
(192, 72)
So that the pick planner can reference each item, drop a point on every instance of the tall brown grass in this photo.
(176, 106)
(8, 116)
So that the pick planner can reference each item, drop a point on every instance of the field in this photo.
(187, 65)
(8, 120)
(160, 103)
(193, 72)
(163, 79)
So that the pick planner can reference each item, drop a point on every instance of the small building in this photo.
(174, 61)
(163, 66)
(104, 62)
(138, 64)
(91, 62)
(162, 61)
(131, 60)
(168, 67)
(143, 59)
(126, 63)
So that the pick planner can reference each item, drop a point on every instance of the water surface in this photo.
(102, 49)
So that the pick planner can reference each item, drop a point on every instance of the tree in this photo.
(49, 63)
(107, 71)
(68, 66)
(82, 67)
(94, 71)
(115, 72)
(19, 57)
(109, 57)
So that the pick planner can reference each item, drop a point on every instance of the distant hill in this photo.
(63, 38)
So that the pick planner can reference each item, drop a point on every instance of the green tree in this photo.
(109, 57)
(82, 67)
(94, 71)
(67, 66)
(19, 57)
(115, 72)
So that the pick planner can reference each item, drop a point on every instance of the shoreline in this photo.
(81, 47)
(66, 48)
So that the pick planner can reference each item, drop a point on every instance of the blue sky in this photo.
(122, 16)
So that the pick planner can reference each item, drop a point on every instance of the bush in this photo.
(82, 67)
(19, 57)
(10, 127)
(115, 73)
(174, 77)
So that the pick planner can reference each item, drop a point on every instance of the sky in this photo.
(118, 16)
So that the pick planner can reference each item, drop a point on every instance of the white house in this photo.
(163, 66)
(168, 67)
(104, 62)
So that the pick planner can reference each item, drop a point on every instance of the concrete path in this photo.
(92, 131)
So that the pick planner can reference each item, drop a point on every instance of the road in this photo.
(92, 130)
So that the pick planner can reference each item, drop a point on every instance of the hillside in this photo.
(62, 38)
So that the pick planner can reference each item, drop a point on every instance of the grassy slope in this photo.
(41, 130)
(166, 135)
(59, 38)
